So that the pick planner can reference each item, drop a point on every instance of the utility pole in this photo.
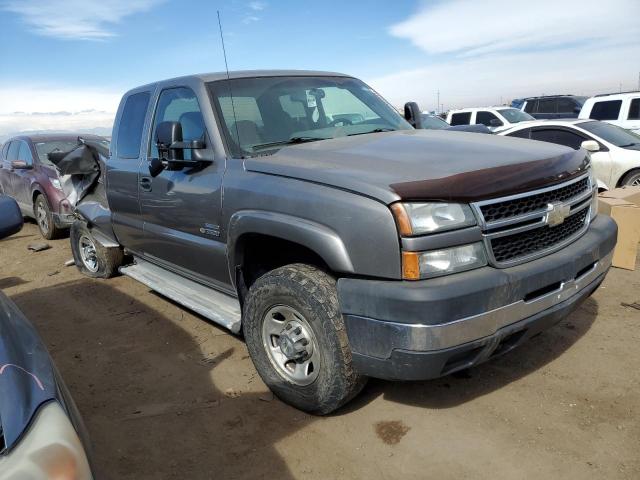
(438, 103)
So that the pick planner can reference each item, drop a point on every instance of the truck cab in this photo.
(301, 209)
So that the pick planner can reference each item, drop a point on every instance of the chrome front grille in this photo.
(522, 227)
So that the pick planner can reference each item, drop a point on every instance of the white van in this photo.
(621, 109)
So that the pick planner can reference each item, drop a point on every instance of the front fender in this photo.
(317, 237)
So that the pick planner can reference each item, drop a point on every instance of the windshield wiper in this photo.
(291, 141)
(633, 144)
(375, 130)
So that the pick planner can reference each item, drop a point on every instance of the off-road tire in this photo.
(41, 204)
(631, 178)
(108, 258)
(313, 293)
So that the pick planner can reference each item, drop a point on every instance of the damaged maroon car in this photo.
(27, 175)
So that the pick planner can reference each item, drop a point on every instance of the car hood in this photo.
(426, 165)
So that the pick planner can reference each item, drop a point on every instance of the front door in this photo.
(6, 172)
(181, 208)
(22, 178)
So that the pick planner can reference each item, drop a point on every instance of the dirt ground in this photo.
(165, 394)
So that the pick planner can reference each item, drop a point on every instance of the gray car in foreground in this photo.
(300, 209)
(41, 433)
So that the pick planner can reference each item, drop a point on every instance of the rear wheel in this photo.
(44, 218)
(631, 179)
(91, 258)
(297, 340)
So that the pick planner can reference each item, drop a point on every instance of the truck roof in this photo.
(214, 76)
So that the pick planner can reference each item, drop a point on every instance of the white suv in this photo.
(622, 109)
(494, 118)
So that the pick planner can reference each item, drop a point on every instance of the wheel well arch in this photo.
(257, 253)
(626, 174)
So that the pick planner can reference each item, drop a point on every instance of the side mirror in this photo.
(494, 122)
(590, 146)
(413, 115)
(167, 134)
(20, 165)
(10, 217)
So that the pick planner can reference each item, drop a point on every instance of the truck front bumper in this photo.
(402, 330)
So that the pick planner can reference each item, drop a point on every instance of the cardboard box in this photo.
(620, 204)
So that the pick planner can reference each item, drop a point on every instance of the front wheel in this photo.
(631, 179)
(296, 337)
(91, 258)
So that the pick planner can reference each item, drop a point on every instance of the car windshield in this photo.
(45, 148)
(515, 116)
(613, 134)
(268, 113)
(432, 122)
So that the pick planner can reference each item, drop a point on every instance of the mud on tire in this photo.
(90, 256)
(311, 292)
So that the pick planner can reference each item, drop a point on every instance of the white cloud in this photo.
(76, 19)
(480, 52)
(250, 19)
(257, 6)
(42, 107)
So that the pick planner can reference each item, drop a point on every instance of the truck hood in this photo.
(426, 165)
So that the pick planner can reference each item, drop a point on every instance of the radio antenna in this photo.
(226, 67)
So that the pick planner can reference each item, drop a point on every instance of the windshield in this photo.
(269, 113)
(515, 116)
(613, 134)
(45, 148)
(431, 122)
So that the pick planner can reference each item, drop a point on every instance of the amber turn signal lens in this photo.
(410, 266)
(402, 219)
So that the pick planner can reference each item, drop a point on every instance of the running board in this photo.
(212, 304)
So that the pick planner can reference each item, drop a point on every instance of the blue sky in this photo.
(65, 63)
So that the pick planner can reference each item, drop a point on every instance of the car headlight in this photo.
(49, 449)
(434, 263)
(56, 183)
(430, 217)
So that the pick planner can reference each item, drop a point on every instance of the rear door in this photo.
(122, 169)
(5, 173)
(181, 208)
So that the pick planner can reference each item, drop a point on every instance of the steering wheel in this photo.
(343, 121)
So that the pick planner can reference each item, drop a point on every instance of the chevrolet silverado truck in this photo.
(300, 209)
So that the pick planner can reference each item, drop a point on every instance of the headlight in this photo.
(421, 218)
(56, 183)
(434, 263)
(49, 449)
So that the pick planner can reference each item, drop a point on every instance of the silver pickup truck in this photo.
(300, 209)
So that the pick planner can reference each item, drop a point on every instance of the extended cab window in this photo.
(462, 118)
(561, 137)
(179, 105)
(634, 109)
(485, 118)
(608, 110)
(131, 125)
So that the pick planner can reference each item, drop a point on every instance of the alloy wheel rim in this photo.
(636, 182)
(41, 217)
(291, 345)
(88, 253)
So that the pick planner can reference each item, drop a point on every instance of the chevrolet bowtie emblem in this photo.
(556, 213)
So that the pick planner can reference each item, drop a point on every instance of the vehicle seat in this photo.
(192, 125)
(247, 131)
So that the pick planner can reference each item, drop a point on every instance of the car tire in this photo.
(308, 364)
(91, 258)
(44, 218)
(631, 179)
